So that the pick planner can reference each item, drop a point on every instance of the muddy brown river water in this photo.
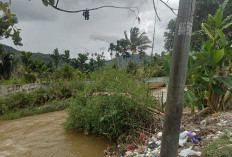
(44, 136)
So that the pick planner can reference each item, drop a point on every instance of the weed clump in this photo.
(222, 147)
(114, 104)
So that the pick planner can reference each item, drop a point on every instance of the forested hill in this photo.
(39, 56)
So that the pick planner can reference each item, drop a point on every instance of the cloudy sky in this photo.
(44, 28)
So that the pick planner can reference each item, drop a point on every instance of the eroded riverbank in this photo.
(44, 136)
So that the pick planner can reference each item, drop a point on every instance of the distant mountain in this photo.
(39, 56)
(46, 57)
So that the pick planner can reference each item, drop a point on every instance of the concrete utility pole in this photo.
(174, 108)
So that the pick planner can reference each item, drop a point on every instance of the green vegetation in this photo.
(113, 105)
(221, 147)
(55, 105)
(209, 70)
(22, 101)
(203, 9)
(7, 24)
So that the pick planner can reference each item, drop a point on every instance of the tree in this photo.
(7, 25)
(111, 49)
(66, 56)
(6, 65)
(92, 65)
(56, 57)
(203, 8)
(213, 63)
(67, 72)
(26, 58)
(137, 42)
(169, 36)
(80, 62)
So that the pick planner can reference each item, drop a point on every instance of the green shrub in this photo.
(132, 68)
(114, 104)
(19, 100)
(30, 77)
(41, 96)
(78, 85)
(67, 72)
(61, 90)
(12, 81)
(2, 106)
(48, 107)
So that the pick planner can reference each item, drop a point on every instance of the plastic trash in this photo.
(155, 153)
(183, 138)
(129, 147)
(154, 138)
(189, 151)
(183, 135)
(129, 153)
(152, 145)
(192, 137)
(159, 135)
(158, 143)
(183, 141)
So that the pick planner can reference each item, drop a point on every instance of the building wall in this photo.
(9, 89)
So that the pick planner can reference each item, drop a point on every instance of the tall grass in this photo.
(114, 104)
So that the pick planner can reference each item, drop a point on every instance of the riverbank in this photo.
(52, 106)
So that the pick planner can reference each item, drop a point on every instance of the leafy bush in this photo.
(30, 77)
(49, 107)
(132, 68)
(41, 96)
(61, 90)
(2, 106)
(12, 81)
(114, 104)
(67, 72)
(19, 100)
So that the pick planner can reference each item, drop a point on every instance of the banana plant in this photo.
(217, 23)
(215, 54)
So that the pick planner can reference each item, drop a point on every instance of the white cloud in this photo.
(44, 28)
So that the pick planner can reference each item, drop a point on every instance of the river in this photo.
(44, 136)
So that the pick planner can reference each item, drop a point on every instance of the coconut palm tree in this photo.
(137, 41)
(6, 65)
(66, 56)
(111, 49)
(56, 57)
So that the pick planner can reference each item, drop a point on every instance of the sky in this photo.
(43, 28)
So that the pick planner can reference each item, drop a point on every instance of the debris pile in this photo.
(191, 143)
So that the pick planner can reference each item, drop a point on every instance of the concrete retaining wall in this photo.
(9, 89)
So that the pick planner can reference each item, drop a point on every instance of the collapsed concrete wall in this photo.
(5, 90)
